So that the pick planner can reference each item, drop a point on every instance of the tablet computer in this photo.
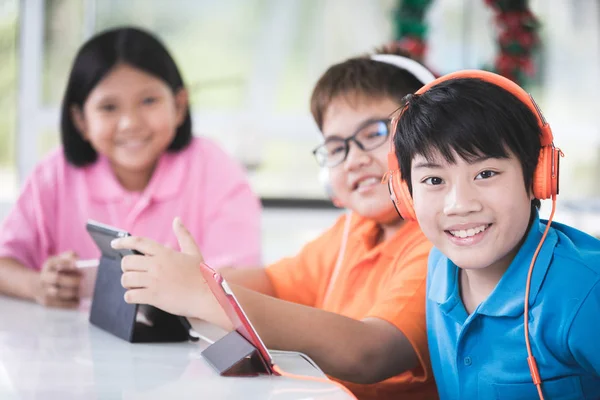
(103, 234)
(224, 295)
(109, 311)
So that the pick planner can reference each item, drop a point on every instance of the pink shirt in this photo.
(201, 184)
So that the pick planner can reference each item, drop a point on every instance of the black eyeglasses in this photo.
(370, 135)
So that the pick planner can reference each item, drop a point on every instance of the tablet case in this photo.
(241, 352)
(110, 312)
(233, 355)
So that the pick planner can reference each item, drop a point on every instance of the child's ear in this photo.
(181, 105)
(78, 120)
(337, 203)
(531, 195)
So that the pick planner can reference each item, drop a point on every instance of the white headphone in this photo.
(424, 76)
(417, 70)
(324, 181)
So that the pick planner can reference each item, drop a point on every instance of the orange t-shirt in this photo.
(380, 280)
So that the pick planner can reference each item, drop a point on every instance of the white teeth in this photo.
(469, 232)
(133, 143)
(368, 181)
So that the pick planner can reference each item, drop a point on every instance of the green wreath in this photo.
(517, 39)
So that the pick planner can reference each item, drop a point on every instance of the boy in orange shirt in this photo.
(353, 299)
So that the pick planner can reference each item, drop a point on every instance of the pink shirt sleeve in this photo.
(24, 234)
(232, 233)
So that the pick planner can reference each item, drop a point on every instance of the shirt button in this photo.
(468, 361)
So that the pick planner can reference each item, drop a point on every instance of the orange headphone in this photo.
(545, 179)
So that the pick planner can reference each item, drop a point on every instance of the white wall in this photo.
(285, 231)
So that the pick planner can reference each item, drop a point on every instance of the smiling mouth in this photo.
(468, 233)
(133, 143)
(366, 182)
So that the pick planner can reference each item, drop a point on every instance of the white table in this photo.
(57, 354)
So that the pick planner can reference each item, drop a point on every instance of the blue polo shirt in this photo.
(483, 355)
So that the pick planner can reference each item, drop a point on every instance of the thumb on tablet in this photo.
(185, 239)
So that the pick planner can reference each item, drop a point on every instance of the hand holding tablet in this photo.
(134, 322)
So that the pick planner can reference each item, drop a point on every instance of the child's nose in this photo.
(128, 120)
(461, 199)
(357, 156)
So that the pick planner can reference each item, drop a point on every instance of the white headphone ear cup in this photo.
(326, 183)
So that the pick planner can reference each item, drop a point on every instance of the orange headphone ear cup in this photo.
(401, 197)
(545, 176)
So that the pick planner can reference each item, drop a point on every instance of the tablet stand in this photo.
(110, 312)
(233, 355)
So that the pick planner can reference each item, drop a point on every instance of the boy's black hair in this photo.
(96, 58)
(471, 117)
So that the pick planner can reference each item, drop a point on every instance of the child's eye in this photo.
(337, 150)
(149, 100)
(376, 134)
(485, 174)
(434, 181)
(108, 107)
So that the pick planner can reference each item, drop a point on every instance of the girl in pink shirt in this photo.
(128, 159)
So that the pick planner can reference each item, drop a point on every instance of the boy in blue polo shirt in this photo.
(476, 156)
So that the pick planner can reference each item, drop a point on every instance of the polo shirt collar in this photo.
(368, 233)
(444, 289)
(507, 299)
(363, 234)
(166, 181)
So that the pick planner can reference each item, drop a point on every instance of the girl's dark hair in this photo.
(469, 117)
(96, 58)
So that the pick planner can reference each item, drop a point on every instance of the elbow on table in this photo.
(366, 367)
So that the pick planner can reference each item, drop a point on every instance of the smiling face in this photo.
(476, 213)
(131, 117)
(356, 182)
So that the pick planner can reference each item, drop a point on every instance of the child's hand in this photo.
(163, 277)
(59, 282)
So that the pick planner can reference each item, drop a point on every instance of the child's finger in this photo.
(68, 255)
(67, 264)
(60, 303)
(68, 280)
(51, 290)
(137, 296)
(67, 294)
(144, 245)
(51, 265)
(134, 280)
(185, 239)
(135, 262)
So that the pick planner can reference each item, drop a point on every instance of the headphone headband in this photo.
(417, 70)
(505, 84)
